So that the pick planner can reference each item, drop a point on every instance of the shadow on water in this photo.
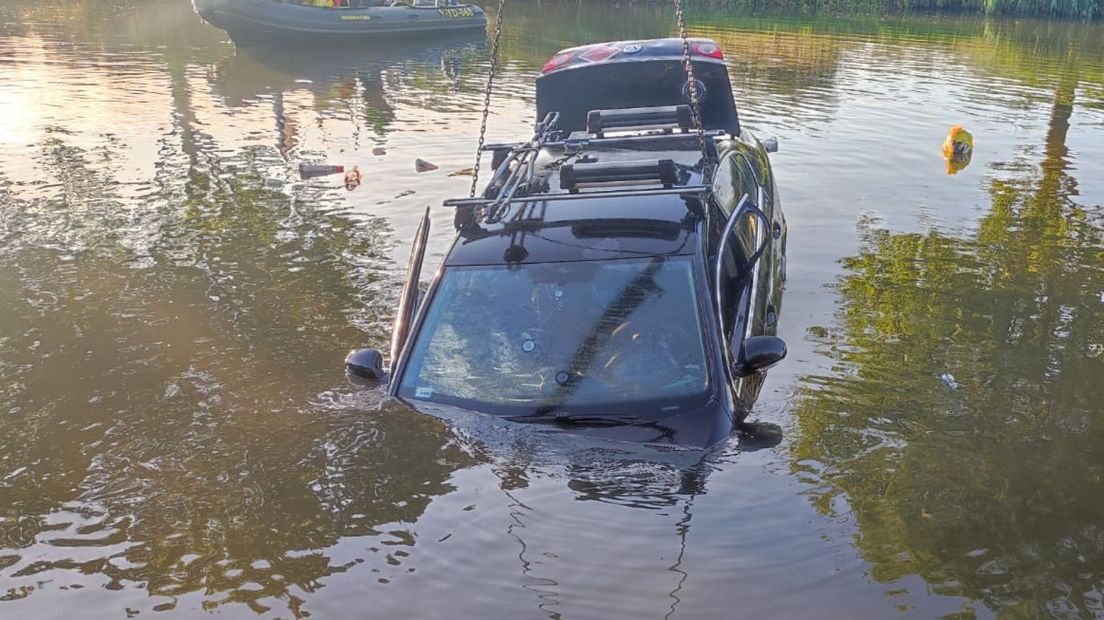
(961, 424)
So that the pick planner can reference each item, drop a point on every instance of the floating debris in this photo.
(310, 171)
(353, 178)
(379, 150)
(421, 165)
(949, 379)
(466, 172)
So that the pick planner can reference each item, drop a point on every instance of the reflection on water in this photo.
(176, 435)
(355, 82)
(962, 425)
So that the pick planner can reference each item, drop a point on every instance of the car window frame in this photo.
(702, 305)
(741, 295)
(410, 299)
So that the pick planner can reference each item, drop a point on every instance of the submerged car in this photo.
(620, 276)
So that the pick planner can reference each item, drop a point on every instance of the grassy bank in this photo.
(1068, 9)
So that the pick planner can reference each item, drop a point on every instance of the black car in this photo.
(621, 275)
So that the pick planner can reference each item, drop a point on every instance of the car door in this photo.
(739, 273)
(411, 292)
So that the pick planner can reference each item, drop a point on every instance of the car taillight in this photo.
(599, 53)
(557, 61)
(709, 50)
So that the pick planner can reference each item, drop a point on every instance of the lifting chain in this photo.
(487, 94)
(692, 82)
(695, 96)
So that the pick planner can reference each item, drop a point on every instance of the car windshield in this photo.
(576, 337)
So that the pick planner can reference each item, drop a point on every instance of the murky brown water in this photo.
(176, 435)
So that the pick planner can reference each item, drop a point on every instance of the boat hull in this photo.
(266, 21)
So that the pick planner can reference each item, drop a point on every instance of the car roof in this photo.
(583, 228)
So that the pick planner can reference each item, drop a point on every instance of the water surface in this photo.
(176, 436)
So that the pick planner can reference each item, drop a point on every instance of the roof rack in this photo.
(514, 177)
(681, 190)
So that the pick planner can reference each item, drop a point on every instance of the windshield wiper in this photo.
(562, 417)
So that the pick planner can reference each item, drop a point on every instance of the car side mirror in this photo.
(365, 367)
(759, 353)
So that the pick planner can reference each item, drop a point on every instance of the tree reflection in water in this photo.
(962, 421)
(159, 340)
(160, 435)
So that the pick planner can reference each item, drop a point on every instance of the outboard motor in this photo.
(635, 74)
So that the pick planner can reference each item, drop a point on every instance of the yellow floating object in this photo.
(959, 142)
(958, 149)
(955, 164)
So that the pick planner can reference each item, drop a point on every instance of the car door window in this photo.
(735, 264)
(733, 179)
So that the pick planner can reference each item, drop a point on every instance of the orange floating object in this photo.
(958, 149)
(353, 178)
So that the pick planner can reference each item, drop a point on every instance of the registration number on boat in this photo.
(356, 18)
(464, 11)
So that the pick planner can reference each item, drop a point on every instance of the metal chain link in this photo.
(487, 95)
(695, 97)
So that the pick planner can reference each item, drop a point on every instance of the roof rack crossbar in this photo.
(686, 190)
(612, 141)
(659, 117)
(664, 171)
